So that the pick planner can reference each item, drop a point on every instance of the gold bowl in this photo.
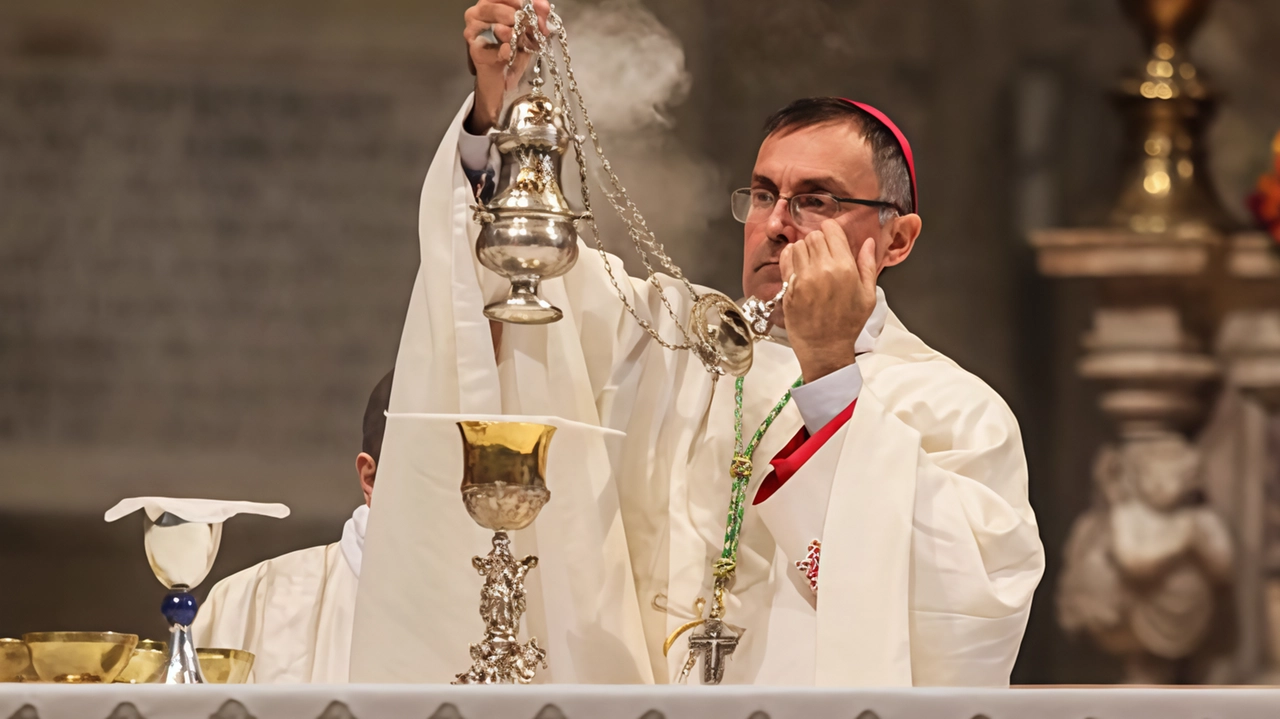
(504, 465)
(79, 657)
(15, 661)
(145, 662)
(225, 666)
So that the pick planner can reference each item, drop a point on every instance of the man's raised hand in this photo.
(490, 61)
(829, 299)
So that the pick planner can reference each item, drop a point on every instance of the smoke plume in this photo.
(631, 70)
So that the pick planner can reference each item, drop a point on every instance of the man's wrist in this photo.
(818, 362)
(479, 122)
(484, 113)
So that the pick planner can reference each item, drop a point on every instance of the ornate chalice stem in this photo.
(500, 658)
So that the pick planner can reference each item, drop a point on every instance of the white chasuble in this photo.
(293, 612)
(930, 551)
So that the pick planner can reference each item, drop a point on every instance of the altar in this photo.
(45, 701)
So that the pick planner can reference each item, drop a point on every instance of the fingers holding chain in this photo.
(496, 23)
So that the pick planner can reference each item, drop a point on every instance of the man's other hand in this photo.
(829, 299)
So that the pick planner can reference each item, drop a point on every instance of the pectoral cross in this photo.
(714, 642)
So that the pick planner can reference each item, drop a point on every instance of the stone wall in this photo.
(207, 240)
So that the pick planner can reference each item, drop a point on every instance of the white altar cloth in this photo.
(44, 701)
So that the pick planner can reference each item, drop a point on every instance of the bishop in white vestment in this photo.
(888, 539)
(294, 612)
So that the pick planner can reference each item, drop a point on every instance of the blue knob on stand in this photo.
(183, 667)
(179, 608)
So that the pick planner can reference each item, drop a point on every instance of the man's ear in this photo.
(367, 469)
(903, 232)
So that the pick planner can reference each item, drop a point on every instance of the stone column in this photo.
(1248, 344)
(1144, 565)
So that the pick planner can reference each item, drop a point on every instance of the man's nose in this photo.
(780, 226)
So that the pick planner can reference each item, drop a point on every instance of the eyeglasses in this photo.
(807, 210)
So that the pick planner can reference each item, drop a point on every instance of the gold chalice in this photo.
(145, 663)
(503, 488)
(225, 666)
(15, 661)
(502, 472)
(79, 657)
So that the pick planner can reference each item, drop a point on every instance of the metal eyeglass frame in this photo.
(791, 202)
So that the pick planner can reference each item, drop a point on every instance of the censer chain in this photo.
(565, 88)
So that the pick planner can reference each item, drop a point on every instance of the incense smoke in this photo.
(631, 70)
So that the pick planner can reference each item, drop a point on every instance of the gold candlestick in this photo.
(1166, 188)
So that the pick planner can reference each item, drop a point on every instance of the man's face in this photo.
(830, 158)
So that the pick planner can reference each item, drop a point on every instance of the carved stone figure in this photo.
(1143, 564)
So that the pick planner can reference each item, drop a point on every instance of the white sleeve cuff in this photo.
(474, 150)
(821, 400)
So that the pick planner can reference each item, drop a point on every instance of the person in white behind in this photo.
(294, 612)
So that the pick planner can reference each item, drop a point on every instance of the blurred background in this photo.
(208, 238)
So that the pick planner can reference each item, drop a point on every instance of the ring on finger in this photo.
(489, 36)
